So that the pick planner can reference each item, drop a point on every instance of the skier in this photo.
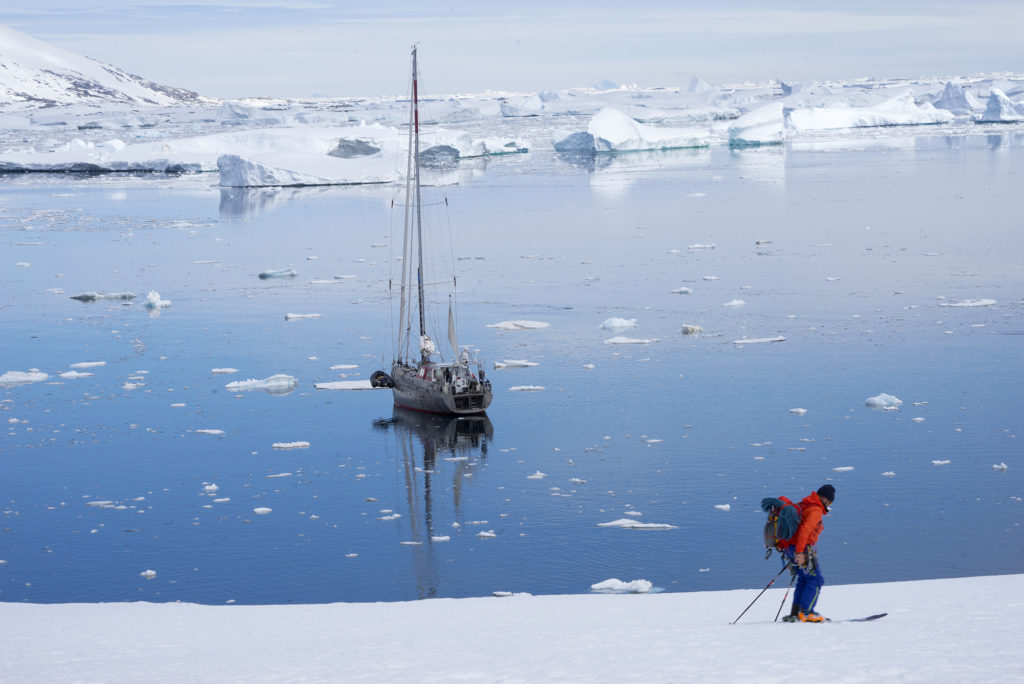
(802, 554)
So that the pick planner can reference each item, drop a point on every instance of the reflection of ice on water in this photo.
(761, 164)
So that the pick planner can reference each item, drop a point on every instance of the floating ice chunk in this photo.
(89, 364)
(393, 516)
(969, 302)
(148, 574)
(275, 384)
(262, 510)
(153, 301)
(723, 507)
(345, 366)
(882, 401)
(224, 499)
(223, 371)
(843, 469)
(290, 445)
(410, 543)
(918, 419)
(210, 488)
(619, 324)
(537, 476)
(75, 375)
(486, 534)
(132, 385)
(279, 273)
(682, 290)
(1001, 467)
(901, 110)
(527, 388)
(629, 340)
(277, 475)
(637, 525)
(100, 296)
(346, 385)
(206, 431)
(514, 363)
(295, 316)
(710, 278)
(617, 586)
(440, 538)
(519, 325)
(16, 378)
(941, 462)
(635, 514)
(759, 340)
(888, 473)
(701, 246)
(588, 366)
(508, 594)
(735, 303)
(613, 131)
(690, 329)
(798, 411)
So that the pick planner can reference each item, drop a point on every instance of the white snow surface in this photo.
(901, 110)
(936, 631)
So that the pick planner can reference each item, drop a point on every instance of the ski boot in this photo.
(793, 612)
(810, 616)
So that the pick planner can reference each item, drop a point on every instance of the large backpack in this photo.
(783, 521)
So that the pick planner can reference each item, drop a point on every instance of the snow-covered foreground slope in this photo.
(952, 630)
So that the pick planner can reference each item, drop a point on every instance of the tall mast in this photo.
(419, 209)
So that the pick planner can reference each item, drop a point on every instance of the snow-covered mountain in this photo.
(34, 73)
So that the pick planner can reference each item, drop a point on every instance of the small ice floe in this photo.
(682, 290)
(700, 246)
(223, 499)
(918, 419)
(345, 366)
(888, 473)
(618, 324)
(275, 384)
(16, 378)
(74, 375)
(205, 261)
(103, 296)
(635, 514)
(689, 329)
(132, 385)
(942, 462)
(410, 543)
(710, 278)
(392, 516)
(759, 340)
(206, 431)
(508, 594)
(617, 586)
(519, 325)
(576, 480)
(969, 302)
(210, 488)
(88, 364)
(223, 371)
(279, 273)
(537, 476)
(798, 411)
(843, 469)
(346, 385)
(295, 316)
(637, 525)
(723, 507)
(277, 475)
(514, 363)
(440, 538)
(262, 510)
(526, 388)
(735, 303)
(832, 279)
(883, 401)
(1001, 467)
(153, 301)
(22, 264)
(588, 366)
(618, 339)
(486, 534)
(148, 574)
(290, 445)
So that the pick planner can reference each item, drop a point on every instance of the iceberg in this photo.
(764, 126)
(612, 131)
(883, 401)
(275, 384)
(901, 110)
(617, 586)
(1001, 109)
(956, 100)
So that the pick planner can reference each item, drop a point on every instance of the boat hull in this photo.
(417, 389)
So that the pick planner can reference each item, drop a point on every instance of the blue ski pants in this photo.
(808, 581)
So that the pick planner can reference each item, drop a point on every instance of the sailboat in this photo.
(420, 378)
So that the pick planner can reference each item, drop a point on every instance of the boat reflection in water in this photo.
(438, 453)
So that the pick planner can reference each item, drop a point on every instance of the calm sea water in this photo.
(851, 252)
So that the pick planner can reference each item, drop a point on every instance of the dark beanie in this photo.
(827, 492)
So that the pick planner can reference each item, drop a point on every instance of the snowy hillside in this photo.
(953, 630)
(35, 73)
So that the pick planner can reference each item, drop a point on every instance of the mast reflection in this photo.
(438, 453)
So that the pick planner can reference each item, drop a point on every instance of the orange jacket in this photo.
(811, 512)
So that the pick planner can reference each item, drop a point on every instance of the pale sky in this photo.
(301, 48)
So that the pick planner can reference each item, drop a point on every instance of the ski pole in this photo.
(791, 579)
(759, 595)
